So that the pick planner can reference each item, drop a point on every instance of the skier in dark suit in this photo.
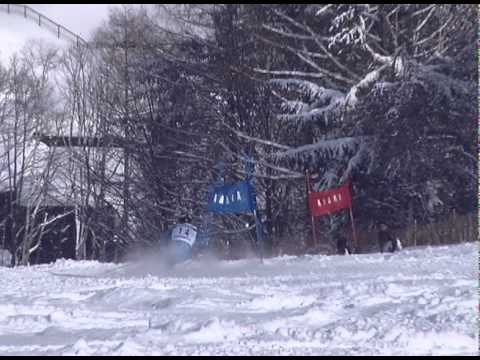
(342, 245)
(386, 241)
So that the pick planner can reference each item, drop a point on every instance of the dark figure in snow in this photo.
(342, 245)
(386, 241)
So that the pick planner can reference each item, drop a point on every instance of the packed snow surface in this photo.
(421, 301)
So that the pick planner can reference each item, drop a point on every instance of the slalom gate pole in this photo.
(309, 189)
(355, 242)
(259, 233)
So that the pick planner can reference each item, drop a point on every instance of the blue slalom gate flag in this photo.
(233, 198)
(236, 198)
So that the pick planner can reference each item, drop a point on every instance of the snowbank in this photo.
(415, 302)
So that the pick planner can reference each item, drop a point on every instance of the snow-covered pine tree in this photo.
(406, 59)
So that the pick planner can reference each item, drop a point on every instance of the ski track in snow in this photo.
(421, 301)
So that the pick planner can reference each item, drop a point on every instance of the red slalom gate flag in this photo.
(329, 201)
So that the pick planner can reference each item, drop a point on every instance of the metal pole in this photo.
(258, 228)
(309, 189)
(355, 242)
(353, 230)
(258, 222)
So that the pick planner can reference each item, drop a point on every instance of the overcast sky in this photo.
(81, 19)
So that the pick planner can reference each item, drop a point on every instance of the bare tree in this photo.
(28, 167)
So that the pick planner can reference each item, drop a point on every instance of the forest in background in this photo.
(174, 96)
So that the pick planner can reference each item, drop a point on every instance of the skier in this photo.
(386, 242)
(342, 245)
(182, 241)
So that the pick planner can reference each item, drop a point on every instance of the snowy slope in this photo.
(422, 301)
